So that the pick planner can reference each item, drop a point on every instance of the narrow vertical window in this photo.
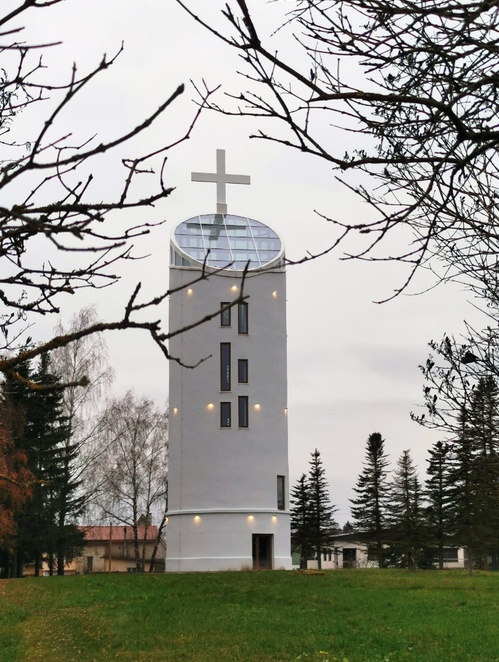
(242, 371)
(225, 366)
(281, 483)
(225, 319)
(242, 317)
(225, 415)
(243, 411)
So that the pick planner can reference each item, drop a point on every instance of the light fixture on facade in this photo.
(175, 410)
(210, 406)
(251, 518)
(274, 294)
(197, 519)
(285, 411)
(256, 406)
(234, 288)
(274, 519)
(189, 291)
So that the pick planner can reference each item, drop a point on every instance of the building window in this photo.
(225, 415)
(280, 492)
(450, 554)
(225, 366)
(243, 411)
(242, 371)
(242, 318)
(225, 314)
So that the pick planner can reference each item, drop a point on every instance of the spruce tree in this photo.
(474, 475)
(407, 530)
(438, 493)
(300, 520)
(322, 524)
(369, 509)
(41, 433)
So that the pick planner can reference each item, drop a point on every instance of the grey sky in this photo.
(353, 364)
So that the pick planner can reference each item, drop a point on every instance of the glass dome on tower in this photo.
(225, 241)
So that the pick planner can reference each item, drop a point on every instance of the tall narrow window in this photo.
(225, 366)
(242, 317)
(242, 371)
(243, 411)
(225, 415)
(225, 319)
(281, 483)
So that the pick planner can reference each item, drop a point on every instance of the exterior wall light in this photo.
(189, 291)
(274, 519)
(210, 406)
(175, 410)
(251, 518)
(257, 407)
(197, 519)
(234, 288)
(274, 294)
(285, 411)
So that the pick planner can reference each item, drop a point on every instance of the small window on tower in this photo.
(243, 411)
(225, 317)
(225, 415)
(225, 366)
(242, 371)
(281, 483)
(242, 318)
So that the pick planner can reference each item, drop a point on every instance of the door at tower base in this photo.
(228, 541)
(262, 551)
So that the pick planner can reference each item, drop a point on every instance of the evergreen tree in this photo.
(369, 509)
(439, 499)
(407, 530)
(322, 524)
(300, 520)
(41, 433)
(15, 401)
(474, 475)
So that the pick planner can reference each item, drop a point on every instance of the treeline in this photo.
(70, 455)
(409, 522)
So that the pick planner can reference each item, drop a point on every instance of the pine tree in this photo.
(369, 509)
(407, 530)
(322, 524)
(438, 493)
(300, 520)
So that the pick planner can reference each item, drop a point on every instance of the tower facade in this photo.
(228, 485)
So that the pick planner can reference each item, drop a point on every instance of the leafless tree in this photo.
(131, 474)
(57, 235)
(414, 86)
(86, 357)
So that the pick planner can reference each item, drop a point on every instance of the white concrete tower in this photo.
(228, 486)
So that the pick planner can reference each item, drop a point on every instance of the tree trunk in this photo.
(156, 542)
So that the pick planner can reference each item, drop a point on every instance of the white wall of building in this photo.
(223, 481)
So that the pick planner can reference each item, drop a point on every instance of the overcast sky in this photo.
(352, 364)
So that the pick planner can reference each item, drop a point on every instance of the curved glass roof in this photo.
(231, 240)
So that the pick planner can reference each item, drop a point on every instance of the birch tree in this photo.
(132, 473)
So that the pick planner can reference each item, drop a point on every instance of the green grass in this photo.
(335, 616)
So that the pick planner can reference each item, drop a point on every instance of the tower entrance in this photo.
(262, 551)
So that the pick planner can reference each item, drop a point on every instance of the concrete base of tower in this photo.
(217, 541)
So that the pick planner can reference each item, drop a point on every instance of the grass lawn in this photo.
(335, 616)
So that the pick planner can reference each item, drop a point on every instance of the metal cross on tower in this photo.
(220, 178)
